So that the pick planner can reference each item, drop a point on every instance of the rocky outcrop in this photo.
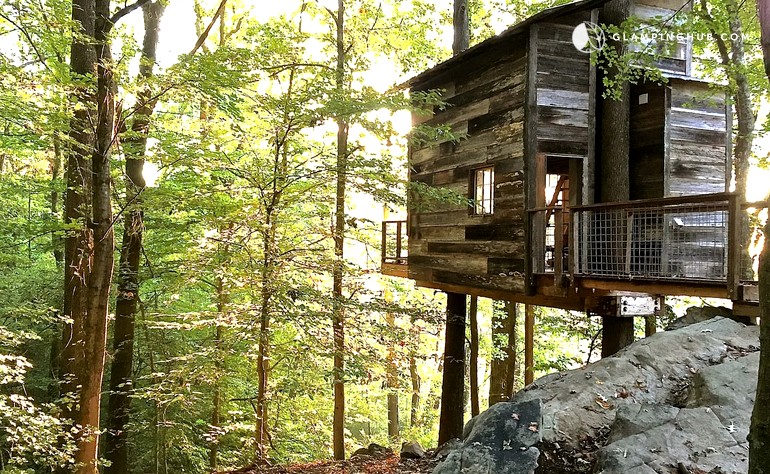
(678, 401)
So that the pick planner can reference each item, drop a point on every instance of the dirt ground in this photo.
(390, 464)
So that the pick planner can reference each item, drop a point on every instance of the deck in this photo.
(677, 246)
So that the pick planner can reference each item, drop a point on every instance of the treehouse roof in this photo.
(506, 35)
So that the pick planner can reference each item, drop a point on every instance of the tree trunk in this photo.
(461, 27)
(219, 363)
(502, 369)
(77, 196)
(474, 356)
(414, 377)
(135, 147)
(529, 344)
(391, 378)
(614, 161)
(338, 317)
(263, 363)
(759, 434)
(453, 383)
(89, 250)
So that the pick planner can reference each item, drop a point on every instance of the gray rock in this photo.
(446, 449)
(697, 314)
(502, 440)
(655, 370)
(412, 450)
(682, 396)
(373, 450)
(707, 435)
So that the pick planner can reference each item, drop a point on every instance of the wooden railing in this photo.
(394, 249)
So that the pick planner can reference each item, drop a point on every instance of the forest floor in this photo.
(386, 464)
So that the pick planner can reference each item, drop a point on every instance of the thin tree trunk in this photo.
(135, 147)
(529, 344)
(759, 434)
(56, 239)
(414, 377)
(338, 317)
(391, 377)
(263, 360)
(453, 385)
(474, 356)
(58, 254)
(219, 363)
(733, 61)
(502, 369)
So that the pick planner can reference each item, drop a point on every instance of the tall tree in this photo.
(725, 24)
(134, 147)
(614, 162)
(453, 385)
(338, 316)
(88, 207)
(759, 434)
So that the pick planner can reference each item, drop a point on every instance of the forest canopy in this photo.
(191, 197)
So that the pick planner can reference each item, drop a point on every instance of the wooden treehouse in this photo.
(532, 229)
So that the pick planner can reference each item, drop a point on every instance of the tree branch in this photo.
(126, 10)
(206, 32)
(29, 39)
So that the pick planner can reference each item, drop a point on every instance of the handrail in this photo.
(655, 202)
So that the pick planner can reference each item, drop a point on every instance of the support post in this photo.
(529, 344)
(617, 333)
(453, 383)
(650, 325)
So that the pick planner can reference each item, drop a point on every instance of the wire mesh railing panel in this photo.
(681, 241)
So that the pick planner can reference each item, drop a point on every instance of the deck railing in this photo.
(679, 238)
(669, 238)
(394, 249)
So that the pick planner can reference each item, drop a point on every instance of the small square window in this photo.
(483, 191)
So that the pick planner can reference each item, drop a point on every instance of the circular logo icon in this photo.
(588, 36)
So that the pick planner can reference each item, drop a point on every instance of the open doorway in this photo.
(560, 188)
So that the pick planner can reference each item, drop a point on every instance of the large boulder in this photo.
(677, 397)
(501, 440)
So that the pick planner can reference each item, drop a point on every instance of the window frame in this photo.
(477, 206)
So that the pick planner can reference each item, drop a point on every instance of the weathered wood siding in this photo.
(698, 159)
(698, 153)
(447, 244)
(647, 127)
(680, 147)
(563, 96)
